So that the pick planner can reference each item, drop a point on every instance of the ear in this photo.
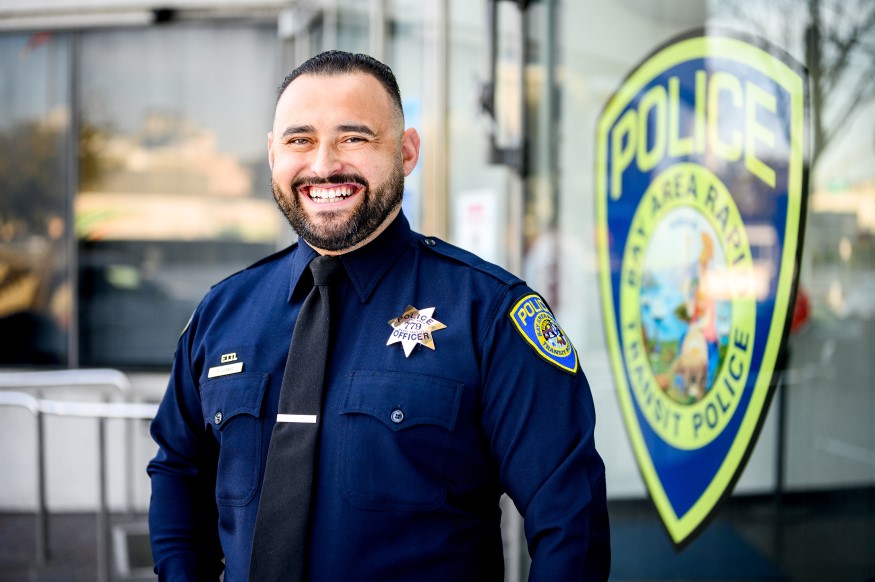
(409, 150)
(270, 149)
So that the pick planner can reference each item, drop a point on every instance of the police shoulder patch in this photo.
(535, 322)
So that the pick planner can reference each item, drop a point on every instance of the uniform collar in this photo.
(365, 266)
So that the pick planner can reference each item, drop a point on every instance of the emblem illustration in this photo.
(701, 187)
(414, 326)
(535, 323)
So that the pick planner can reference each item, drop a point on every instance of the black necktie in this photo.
(279, 546)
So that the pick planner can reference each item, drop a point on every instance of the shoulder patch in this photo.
(535, 323)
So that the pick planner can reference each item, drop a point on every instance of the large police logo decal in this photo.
(701, 184)
(687, 289)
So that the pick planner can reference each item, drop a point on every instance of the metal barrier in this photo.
(101, 411)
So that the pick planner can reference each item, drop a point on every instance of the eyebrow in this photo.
(355, 128)
(298, 129)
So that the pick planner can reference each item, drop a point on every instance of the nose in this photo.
(326, 161)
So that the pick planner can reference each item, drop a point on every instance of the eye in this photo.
(357, 139)
(297, 141)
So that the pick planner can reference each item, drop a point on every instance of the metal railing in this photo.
(120, 387)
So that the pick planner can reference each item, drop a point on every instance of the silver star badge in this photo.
(414, 326)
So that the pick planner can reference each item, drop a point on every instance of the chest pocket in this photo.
(397, 430)
(232, 405)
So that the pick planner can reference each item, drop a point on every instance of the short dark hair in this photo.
(339, 63)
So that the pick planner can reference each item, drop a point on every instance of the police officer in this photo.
(448, 382)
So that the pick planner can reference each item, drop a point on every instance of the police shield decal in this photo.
(701, 171)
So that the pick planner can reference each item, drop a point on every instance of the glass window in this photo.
(802, 509)
(405, 55)
(35, 295)
(480, 194)
(829, 391)
(540, 241)
(174, 185)
(353, 18)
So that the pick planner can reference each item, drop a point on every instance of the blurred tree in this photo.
(835, 38)
(33, 178)
(840, 55)
(32, 182)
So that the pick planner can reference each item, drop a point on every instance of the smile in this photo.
(322, 195)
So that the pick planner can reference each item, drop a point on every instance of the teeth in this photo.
(322, 195)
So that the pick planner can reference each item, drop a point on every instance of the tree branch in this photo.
(845, 47)
(864, 91)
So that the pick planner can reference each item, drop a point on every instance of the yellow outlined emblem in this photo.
(535, 323)
(701, 186)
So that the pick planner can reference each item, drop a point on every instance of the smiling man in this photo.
(339, 154)
(441, 388)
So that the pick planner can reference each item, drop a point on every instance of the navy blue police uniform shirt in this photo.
(415, 450)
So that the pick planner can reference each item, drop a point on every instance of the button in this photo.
(218, 418)
(430, 242)
(397, 415)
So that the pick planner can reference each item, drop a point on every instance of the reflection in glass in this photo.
(34, 288)
(174, 184)
(820, 461)
(353, 25)
(405, 56)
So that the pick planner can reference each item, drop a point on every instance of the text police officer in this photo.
(416, 442)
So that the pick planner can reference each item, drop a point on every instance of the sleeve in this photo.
(540, 420)
(183, 516)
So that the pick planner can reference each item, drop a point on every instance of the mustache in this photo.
(334, 179)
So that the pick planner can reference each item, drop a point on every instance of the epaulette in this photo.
(460, 255)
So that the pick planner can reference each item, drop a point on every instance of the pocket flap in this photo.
(401, 399)
(224, 398)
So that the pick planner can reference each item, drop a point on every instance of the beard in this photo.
(336, 233)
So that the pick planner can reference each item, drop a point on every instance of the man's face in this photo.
(338, 156)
